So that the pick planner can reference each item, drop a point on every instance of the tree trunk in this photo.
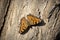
(12, 11)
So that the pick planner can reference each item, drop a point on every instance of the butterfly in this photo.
(25, 23)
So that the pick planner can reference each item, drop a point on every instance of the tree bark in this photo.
(14, 10)
(3, 11)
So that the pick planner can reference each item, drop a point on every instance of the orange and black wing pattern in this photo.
(23, 25)
(33, 20)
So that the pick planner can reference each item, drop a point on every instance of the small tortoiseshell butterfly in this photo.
(25, 23)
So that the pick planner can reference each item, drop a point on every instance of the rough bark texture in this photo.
(48, 10)
(3, 11)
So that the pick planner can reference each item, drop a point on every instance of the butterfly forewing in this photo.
(33, 19)
(23, 25)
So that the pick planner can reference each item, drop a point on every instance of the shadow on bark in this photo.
(58, 36)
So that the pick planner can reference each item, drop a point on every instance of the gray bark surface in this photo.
(47, 10)
(3, 8)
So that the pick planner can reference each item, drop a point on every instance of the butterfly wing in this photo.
(33, 19)
(23, 25)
